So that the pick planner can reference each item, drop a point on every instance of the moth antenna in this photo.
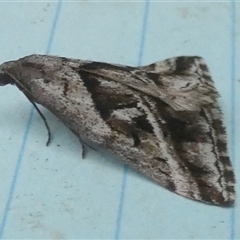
(26, 93)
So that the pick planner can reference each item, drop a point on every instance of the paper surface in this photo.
(50, 192)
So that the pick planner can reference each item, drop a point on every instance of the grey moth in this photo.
(162, 119)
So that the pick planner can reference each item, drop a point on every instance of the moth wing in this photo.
(187, 155)
(184, 83)
(187, 81)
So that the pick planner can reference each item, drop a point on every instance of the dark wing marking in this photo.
(183, 89)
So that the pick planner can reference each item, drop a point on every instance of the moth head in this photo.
(5, 78)
(23, 72)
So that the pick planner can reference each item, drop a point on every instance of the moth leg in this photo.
(44, 120)
(83, 146)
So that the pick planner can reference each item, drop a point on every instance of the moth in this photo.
(162, 119)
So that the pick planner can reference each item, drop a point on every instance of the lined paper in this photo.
(50, 192)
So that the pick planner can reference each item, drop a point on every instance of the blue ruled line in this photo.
(122, 197)
(124, 181)
(25, 137)
(144, 28)
(233, 109)
(15, 177)
(54, 26)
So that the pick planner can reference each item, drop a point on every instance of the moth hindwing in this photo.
(162, 119)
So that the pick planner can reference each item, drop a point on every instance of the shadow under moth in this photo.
(162, 119)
